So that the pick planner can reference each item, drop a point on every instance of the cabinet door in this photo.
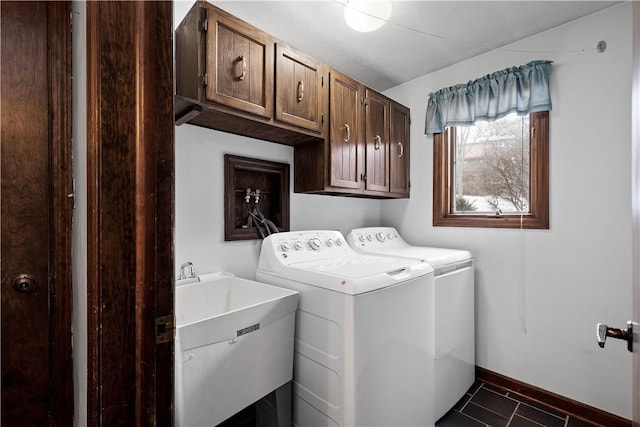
(346, 149)
(399, 147)
(239, 64)
(299, 88)
(377, 141)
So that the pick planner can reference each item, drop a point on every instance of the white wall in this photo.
(199, 215)
(79, 232)
(555, 283)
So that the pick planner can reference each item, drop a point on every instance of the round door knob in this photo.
(25, 283)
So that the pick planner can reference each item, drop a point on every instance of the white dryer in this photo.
(362, 347)
(454, 363)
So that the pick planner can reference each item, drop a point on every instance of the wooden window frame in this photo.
(537, 218)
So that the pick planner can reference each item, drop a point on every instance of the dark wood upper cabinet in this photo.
(239, 63)
(226, 80)
(361, 156)
(399, 149)
(300, 91)
(230, 76)
(377, 141)
(345, 132)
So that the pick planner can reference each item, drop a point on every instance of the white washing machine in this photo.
(362, 347)
(454, 363)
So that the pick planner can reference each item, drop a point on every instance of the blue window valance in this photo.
(521, 90)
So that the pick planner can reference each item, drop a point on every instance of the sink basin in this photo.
(234, 345)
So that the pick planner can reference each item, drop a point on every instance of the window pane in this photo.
(491, 166)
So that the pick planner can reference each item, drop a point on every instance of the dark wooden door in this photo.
(345, 131)
(36, 213)
(399, 149)
(239, 64)
(299, 88)
(377, 142)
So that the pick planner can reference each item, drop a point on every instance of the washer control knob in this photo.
(363, 237)
(298, 246)
(381, 237)
(285, 247)
(330, 243)
(340, 241)
(391, 236)
(370, 237)
(315, 243)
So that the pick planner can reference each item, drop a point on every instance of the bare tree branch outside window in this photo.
(491, 167)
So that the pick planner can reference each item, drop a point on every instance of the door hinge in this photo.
(205, 22)
(322, 119)
(322, 81)
(165, 329)
(205, 79)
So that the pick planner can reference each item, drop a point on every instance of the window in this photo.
(493, 174)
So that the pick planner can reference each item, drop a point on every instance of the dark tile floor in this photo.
(488, 406)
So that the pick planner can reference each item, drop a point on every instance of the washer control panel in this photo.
(375, 237)
(297, 246)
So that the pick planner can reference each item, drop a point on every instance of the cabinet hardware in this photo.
(205, 79)
(400, 149)
(243, 61)
(377, 142)
(300, 90)
(205, 23)
(347, 133)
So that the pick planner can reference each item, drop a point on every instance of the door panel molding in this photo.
(60, 105)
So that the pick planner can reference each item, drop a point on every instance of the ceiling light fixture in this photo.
(367, 15)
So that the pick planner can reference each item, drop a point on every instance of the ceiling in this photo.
(420, 36)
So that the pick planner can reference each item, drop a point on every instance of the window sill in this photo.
(490, 221)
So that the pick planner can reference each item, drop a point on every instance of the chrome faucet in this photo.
(183, 268)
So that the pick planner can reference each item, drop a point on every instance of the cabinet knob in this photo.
(400, 149)
(347, 135)
(300, 90)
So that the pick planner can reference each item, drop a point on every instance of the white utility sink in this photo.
(234, 345)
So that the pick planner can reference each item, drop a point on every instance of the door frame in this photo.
(635, 207)
(130, 181)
